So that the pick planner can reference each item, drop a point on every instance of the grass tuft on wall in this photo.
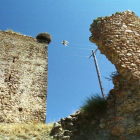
(94, 106)
(11, 31)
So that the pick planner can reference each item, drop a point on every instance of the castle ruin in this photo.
(23, 78)
(118, 38)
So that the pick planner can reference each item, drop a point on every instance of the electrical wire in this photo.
(78, 55)
(81, 48)
(83, 45)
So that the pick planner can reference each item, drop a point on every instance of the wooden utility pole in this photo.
(98, 73)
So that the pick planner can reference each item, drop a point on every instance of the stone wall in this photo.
(118, 38)
(23, 78)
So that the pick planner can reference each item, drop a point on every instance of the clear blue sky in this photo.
(71, 76)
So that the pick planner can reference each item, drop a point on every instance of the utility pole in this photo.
(98, 73)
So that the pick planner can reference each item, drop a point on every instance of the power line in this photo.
(79, 55)
(81, 48)
(83, 45)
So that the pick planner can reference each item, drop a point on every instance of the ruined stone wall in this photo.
(23, 78)
(118, 38)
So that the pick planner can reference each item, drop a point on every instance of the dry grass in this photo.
(11, 31)
(135, 131)
(26, 131)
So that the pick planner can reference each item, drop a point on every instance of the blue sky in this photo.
(71, 76)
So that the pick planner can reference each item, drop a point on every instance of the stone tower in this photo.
(118, 38)
(23, 77)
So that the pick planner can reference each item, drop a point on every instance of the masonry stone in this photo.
(23, 78)
(118, 38)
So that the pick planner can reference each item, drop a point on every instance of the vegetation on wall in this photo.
(93, 106)
(11, 31)
(112, 75)
(118, 12)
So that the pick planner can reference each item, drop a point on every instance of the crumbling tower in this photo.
(118, 37)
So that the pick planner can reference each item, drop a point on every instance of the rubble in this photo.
(117, 37)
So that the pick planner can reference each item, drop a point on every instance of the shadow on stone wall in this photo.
(118, 38)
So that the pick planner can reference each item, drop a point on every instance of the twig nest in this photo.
(44, 37)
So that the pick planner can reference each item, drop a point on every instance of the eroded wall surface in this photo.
(118, 37)
(23, 78)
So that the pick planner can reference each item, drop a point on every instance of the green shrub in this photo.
(94, 106)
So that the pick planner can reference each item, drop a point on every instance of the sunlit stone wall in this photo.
(118, 37)
(23, 78)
